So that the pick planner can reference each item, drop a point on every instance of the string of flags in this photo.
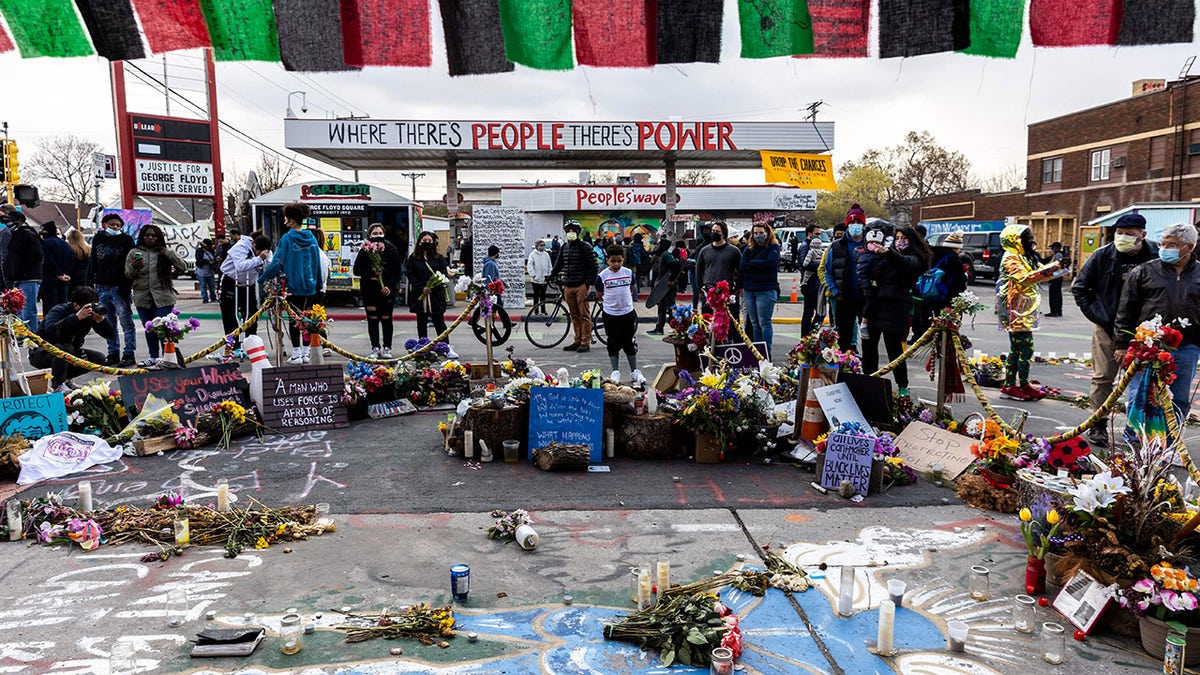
(491, 36)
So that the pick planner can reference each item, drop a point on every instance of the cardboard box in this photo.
(38, 381)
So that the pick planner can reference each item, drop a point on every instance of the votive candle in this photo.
(15, 526)
(887, 627)
(469, 444)
(85, 496)
(662, 570)
(222, 495)
(846, 591)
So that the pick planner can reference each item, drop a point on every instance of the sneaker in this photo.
(655, 331)
(903, 391)
(574, 347)
(149, 363)
(584, 348)
(1013, 393)
(1097, 436)
(639, 380)
(615, 376)
(112, 360)
(1034, 393)
(374, 352)
(296, 358)
(327, 352)
(65, 388)
(127, 361)
(385, 353)
(451, 354)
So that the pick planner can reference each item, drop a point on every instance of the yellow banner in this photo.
(811, 172)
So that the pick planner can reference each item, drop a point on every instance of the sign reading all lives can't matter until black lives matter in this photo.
(848, 457)
(300, 398)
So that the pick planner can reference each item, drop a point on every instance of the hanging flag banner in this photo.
(310, 35)
(1074, 23)
(775, 29)
(172, 24)
(813, 172)
(537, 33)
(840, 28)
(386, 33)
(242, 30)
(1156, 22)
(996, 27)
(113, 29)
(49, 28)
(474, 38)
(614, 33)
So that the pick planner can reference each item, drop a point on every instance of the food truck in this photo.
(342, 211)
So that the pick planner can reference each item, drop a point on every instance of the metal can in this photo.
(1174, 654)
(639, 406)
(460, 581)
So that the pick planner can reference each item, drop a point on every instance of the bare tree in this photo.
(695, 177)
(274, 172)
(62, 167)
(919, 168)
(1011, 177)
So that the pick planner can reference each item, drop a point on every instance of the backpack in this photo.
(932, 285)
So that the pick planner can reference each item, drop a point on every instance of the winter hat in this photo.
(1131, 220)
(953, 240)
(856, 214)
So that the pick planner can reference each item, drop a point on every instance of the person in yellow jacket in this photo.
(1017, 302)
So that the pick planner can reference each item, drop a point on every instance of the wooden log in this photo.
(651, 437)
(562, 457)
(496, 425)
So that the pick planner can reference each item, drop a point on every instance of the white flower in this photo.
(1183, 322)
(464, 282)
(1085, 498)
(828, 354)
(769, 372)
(1108, 482)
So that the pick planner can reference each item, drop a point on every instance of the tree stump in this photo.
(651, 437)
(562, 457)
(496, 425)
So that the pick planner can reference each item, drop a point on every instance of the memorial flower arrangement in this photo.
(313, 321)
(989, 370)
(819, 348)
(688, 327)
(83, 531)
(168, 500)
(718, 298)
(898, 471)
(717, 406)
(1153, 341)
(484, 293)
(169, 328)
(374, 251)
(97, 407)
(506, 524)
(1038, 529)
(431, 354)
(369, 383)
(229, 414)
(12, 301)
(432, 385)
(682, 628)
(1167, 593)
(156, 418)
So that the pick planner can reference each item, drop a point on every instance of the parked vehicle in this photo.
(985, 251)
(786, 236)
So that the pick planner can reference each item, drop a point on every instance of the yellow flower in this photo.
(442, 426)
(711, 380)
(1052, 517)
(1026, 515)
(261, 543)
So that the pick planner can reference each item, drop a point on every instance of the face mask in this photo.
(376, 237)
(855, 230)
(760, 238)
(1126, 243)
(717, 236)
(1168, 255)
(901, 244)
(572, 236)
(427, 245)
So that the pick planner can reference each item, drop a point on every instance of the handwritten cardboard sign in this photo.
(503, 226)
(839, 406)
(190, 391)
(566, 415)
(848, 457)
(299, 398)
(33, 416)
(923, 445)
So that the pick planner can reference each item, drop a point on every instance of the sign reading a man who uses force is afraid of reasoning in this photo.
(299, 398)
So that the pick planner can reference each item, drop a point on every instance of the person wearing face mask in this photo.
(1167, 288)
(719, 261)
(760, 283)
(378, 289)
(888, 290)
(1097, 291)
(1017, 302)
(428, 304)
(106, 273)
(150, 266)
(841, 278)
(539, 265)
(577, 266)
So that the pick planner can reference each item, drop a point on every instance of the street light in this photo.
(303, 103)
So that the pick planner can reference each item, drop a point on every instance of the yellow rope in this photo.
(746, 339)
(1174, 432)
(1105, 408)
(912, 349)
(968, 374)
(236, 332)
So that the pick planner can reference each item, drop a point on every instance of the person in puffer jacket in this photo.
(297, 259)
(1017, 302)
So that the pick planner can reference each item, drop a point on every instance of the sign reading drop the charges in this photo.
(566, 415)
(299, 398)
(848, 457)
(190, 391)
(186, 179)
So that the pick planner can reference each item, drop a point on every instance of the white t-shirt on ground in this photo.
(618, 296)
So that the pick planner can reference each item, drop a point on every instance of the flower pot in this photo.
(709, 449)
(998, 479)
(1035, 576)
(1154, 640)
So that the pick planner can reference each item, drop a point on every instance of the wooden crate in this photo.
(38, 380)
(155, 445)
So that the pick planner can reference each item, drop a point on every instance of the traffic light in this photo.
(11, 164)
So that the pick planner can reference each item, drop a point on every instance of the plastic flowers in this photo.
(718, 298)
(169, 328)
(506, 524)
(313, 321)
(12, 301)
(1169, 593)
(1038, 533)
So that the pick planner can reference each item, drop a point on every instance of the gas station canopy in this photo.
(369, 144)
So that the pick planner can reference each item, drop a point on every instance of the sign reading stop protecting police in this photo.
(174, 179)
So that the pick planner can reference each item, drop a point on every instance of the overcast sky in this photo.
(975, 105)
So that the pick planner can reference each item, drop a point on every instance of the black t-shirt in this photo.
(1127, 261)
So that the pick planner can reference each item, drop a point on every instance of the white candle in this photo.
(14, 520)
(887, 625)
(223, 496)
(663, 575)
(85, 496)
(609, 443)
(644, 591)
(651, 401)
(846, 591)
(469, 444)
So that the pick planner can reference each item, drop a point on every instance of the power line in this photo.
(328, 92)
(153, 81)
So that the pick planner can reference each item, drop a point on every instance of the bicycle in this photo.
(548, 323)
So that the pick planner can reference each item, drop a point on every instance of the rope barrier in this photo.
(1105, 408)
(746, 339)
(969, 374)
(236, 332)
(912, 349)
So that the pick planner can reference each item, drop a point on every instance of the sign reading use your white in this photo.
(190, 179)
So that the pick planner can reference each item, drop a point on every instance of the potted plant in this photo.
(1037, 530)
(1164, 601)
(997, 455)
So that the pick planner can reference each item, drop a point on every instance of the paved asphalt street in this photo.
(406, 511)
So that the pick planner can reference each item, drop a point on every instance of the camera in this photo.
(99, 309)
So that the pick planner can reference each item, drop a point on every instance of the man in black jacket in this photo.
(577, 263)
(1097, 292)
(25, 266)
(106, 273)
(66, 326)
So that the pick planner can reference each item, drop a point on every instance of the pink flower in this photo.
(1144, 586)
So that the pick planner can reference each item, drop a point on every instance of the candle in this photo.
(85, 495)
(609, 442)
(1053, 642)
(14, 520)
(846, 591)
(896, 590)
(651, 401)
(644, 587)
(978, 583)
(662, 570)
(469, 444)
(182, 533)
(887, 625)
(222, 495)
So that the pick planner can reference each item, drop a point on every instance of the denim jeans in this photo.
(147, 314)
(760, 307)
(208, 291)
(1186, 358)
(121, 314)
(30, 312)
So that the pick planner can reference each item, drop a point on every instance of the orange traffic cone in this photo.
(793, 300)
(813, 423)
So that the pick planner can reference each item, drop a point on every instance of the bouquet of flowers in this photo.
(718, 298)
(820, 348)
(1153, 342)
(156, 418)
(1169, 594)
(94, 406)
(374, 251)
(688, 327)
(229, 414)
(506, 524)
(169, 328)
(12, 301)
(371, 382)
(716, 406)
(438, 352)
(1039, 530)
(989, 370)
(997, 452)
(682, 628)
(313, 321)
(966, 303)
(437, 280)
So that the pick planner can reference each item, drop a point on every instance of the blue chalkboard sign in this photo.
(567, 415)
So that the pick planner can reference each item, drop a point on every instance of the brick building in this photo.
(1141, 149)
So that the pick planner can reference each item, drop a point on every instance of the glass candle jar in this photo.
(634, 572)
(645, 585)
(291, 634)
(846, 591)
(662, 573)
(15, 523)
(183, 533)
(177, 607)
(722, 661)
(1023, 609)
(977, 585)
(1054, 642)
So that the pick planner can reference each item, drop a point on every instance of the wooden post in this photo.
(4, 362)
(277, 310)
(490, 361)
(944, 345)
(801, 397)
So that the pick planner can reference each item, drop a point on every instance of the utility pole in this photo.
(812, 110)
(413, 177)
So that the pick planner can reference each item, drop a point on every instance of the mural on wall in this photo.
(615, 223)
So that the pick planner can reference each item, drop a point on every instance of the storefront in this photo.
(342, 211)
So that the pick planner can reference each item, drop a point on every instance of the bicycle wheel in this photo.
(547, 324)
(598, 324)
(501, 327)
